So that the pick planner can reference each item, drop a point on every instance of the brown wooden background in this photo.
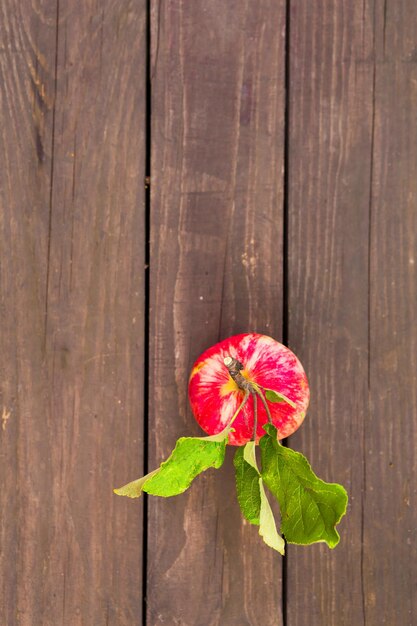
(281, 142)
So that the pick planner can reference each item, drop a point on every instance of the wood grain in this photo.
(72, 293)
(329, 160)
(389, 507)
(216, 269)
(353, 301)
(72, 297)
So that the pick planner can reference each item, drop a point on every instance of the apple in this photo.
(239, 371)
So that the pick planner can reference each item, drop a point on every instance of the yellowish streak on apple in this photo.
(197, 368)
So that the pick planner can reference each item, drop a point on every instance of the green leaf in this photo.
(134, 488)
(190, 457)
(221, 436)
(275, 396)
(249, 454)
(267, 527)
(247, 487)
(252, 498)
(310, 507)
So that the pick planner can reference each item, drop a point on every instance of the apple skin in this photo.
(215, 397)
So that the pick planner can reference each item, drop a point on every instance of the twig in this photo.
(255, 415)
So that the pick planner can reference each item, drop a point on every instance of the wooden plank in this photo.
(216, 269)
(390, 514)
(330, 143)
(72, 292)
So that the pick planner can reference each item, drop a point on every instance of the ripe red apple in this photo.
(215, 396)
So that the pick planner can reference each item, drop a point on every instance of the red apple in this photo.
(215, 396)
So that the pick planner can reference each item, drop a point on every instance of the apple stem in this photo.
(255, 415)
(264, 402)
(235, 367)
(242, 404)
